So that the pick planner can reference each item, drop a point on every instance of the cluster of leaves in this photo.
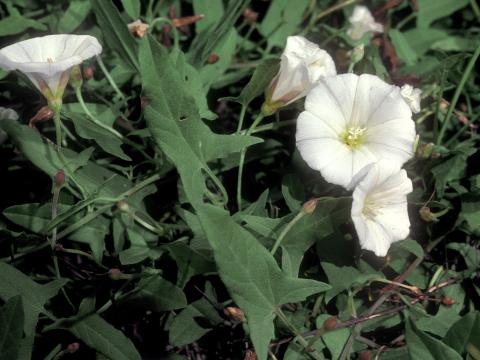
(154, 257)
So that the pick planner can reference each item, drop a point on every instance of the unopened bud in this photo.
(330, 323)
(73, 348)
(448, 301)
(115, 274)
(123, 206)
(187, 20)
(59, 178)
(250, 355)
(444, 104)
(44, 114)
(138, 28)
(250, 16)
(212, 58)
(426, 214)
(88, 73)
(365, 355)
(234, 313)
(270, 108)
(416, 290)
(309, 206)
(357, 53)
(144, 102)
(425, 151)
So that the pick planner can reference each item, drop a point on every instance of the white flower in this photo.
(412, 96)
(8, 114)
(379, 208)
(48, 60)
(362, 22)
(302, 64)
(351, 121)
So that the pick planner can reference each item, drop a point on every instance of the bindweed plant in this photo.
(239, 179)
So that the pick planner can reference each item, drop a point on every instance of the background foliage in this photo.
(156, 260)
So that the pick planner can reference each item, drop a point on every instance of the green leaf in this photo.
(259, 82)
(420, 40)
(11, 327)
(464, 331)
(411, 246)
(402, 46)
(470, 254)
(423, 346)
(158, 294)
(115, 31)
(431, 10)
(334, 340)
(293, 191)
(74, 16)
(213, 11)
(251, 274)
(173, 119)
(16, 24)
(132, 7)
(105, 139)
(104, 338)
(204, 44)
(34, 297)
(283, 19)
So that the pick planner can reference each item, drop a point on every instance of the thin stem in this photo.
(78, 93)
(333, 9)
(159, 20)
(285, 231)
(458, 91)
(242, 161)
(109, 78)
(58, 129)
(314, 354)
(476, 9)
(273, 126)
(56, 193)
(240, 119)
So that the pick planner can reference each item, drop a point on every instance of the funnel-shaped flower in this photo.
(351, 121)
(362, 22)
(47, 60)
(302, 64)
(379, 208)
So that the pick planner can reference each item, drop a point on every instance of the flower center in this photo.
(371, 209)
(353, 137)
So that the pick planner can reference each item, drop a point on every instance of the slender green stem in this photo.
(78, 93)
(112, 82)
(159, 20)
(286, 229)
(242, 161)
(240, 119)
(83, 221)
(271, 126)
(56, 193)
(458, 91)
(58, 129)
(476, 9)
(334, 8)
(301, 340)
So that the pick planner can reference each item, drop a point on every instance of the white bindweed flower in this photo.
(302, 64)
(412, 96)
(48, 60)
(379, 208)
(351, 121)
(362, 22)
(8, 114)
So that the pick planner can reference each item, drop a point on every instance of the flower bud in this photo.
(309, 206)
(212, 58)
(187, 20)
(302, 65)
(448, 301)
(426, 214)
(44, 114)
(412, 97)
(115, 274)
(250, 355)
(235, 313)
(59, 178)
(365, 355)
(123, 206)
(425, 151)
(76, 79)
(88, 73)
(330, 323)
(250, 16)
(73, 348)
(357, 53)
